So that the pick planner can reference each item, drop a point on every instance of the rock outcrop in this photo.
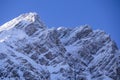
(31, 51)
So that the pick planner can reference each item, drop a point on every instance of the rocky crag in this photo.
(31, 51)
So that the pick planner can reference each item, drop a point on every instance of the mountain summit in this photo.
(30, 51)
(22, 21)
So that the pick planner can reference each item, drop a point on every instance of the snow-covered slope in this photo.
(31, 51)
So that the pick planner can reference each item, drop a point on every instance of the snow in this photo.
(60, 28)
(56, 68)
(24, 20)
(107, 78)
(13, 31)
(72, 50)
(34, 64)
(13, 35)
(3, 39)
(8, 25)
(53, 69)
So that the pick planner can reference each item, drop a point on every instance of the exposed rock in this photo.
(2, 56)
(30, 51)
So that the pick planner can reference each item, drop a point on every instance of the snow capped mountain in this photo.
(31, 51)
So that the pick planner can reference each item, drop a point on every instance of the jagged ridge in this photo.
(30, 51)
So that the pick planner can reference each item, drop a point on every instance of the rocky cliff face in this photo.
(31, 51)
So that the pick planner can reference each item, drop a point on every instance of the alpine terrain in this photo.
(31, 51)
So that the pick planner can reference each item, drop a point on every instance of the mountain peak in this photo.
(32, 16)
(29, 51)
(23, 21)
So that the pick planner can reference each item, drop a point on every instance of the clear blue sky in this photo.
(100, 14)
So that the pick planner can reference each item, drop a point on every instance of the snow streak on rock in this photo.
(30, 51)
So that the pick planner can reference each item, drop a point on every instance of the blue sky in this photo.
(99, 14)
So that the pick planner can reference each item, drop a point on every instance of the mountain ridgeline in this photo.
(31, 51)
